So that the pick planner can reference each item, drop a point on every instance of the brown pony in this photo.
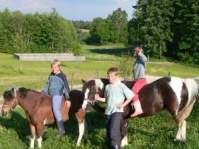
(38, 109)
(174, 94)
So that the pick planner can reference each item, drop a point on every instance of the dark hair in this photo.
(113, 69)
(138, 46)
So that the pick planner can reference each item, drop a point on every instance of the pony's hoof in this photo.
(179, 140)
(78, 144)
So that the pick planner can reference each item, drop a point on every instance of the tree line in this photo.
(167, 28)
(46, 32)
(112, 29)
(164, 27)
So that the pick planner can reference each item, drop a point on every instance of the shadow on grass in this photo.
(112, 51)
(94, 123)
(18, 124)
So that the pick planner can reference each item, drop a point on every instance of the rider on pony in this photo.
(139, 79)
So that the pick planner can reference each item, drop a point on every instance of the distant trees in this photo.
(167, 27)
(113, 29)
(36, 33)
(82, 24)
(163, 27)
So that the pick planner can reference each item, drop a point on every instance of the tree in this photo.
(119, 26)
(113, 29)
(47, 32)
(153, 18)
(99, 31)
(167, 28)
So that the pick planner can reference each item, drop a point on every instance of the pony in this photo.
(174, 94)
(38, 110)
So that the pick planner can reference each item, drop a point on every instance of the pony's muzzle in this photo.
(3, 112)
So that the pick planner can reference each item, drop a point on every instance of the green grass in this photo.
(155, 132)
(100, 58)
(35, 74)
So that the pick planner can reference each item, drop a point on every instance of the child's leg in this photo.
(68, 104)
(136, 102)
(138, 108)
(114, 130)
(58, 116)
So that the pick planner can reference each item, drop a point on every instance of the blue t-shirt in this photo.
(116, 95)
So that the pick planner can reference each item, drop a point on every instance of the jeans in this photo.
(57, 99)
(114, 132)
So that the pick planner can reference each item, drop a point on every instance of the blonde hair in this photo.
(55, 62)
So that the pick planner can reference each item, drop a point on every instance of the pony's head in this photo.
(92, 87)
(10, 101)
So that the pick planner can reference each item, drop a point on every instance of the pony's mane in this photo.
(7, 95)
(23, 91)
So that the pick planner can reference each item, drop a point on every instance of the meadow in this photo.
(156, 132)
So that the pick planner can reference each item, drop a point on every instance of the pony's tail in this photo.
(192, 86)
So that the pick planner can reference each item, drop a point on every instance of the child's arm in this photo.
(98, 98)
(124, 104)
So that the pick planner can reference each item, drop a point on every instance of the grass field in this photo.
(100, 58)
(155, 132)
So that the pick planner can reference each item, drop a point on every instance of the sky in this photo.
(71, 9)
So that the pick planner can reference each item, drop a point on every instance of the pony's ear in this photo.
(83, 81)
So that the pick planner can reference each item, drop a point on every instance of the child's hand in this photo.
(120, 106)
(97, 97)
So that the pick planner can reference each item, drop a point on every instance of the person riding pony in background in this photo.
(115, 94)
(57, 87)
(139, 79)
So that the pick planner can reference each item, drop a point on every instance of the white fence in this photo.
(48, 57)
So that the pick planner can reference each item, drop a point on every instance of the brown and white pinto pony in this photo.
(38, 109)
(174, 94)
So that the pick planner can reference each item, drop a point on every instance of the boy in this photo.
(115, 94)
(57, 87)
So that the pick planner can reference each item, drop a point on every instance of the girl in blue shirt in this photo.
(57, 87)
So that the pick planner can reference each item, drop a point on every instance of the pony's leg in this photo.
(33, 134)
(181, 119)
(39, 131)
(181, 134)
(124, 129)
(81, 132)
(39, 141)
(184, 113)
(81, 123)
(124, 141)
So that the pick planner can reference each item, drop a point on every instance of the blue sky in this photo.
(71, 9)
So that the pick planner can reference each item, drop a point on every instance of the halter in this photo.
(98, 85)
(88, 100)
(15, 96)
(15, 101)
(97, 91)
